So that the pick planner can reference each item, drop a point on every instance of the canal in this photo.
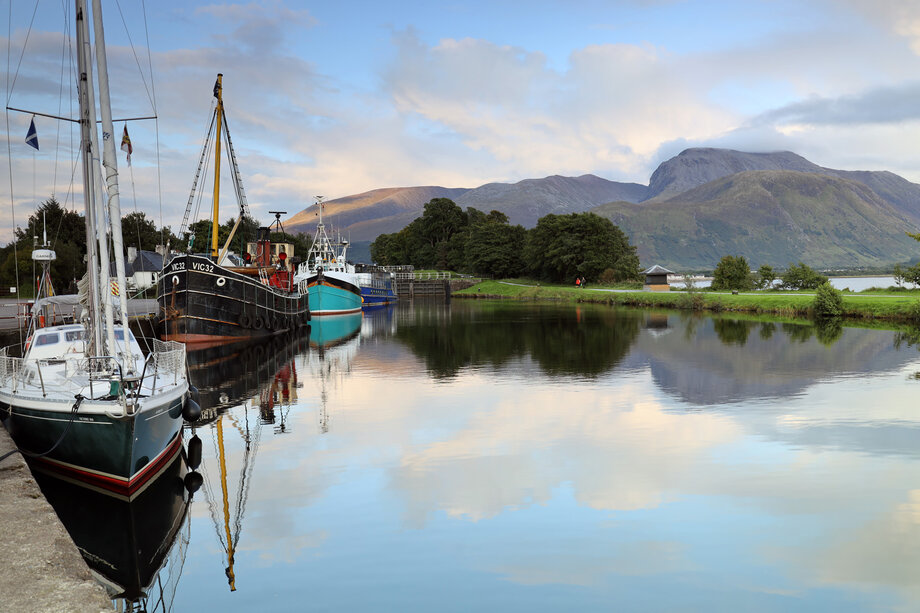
(515, 457)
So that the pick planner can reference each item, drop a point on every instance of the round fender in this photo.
(257, 323)
(191, 410)
(193, 481)
(245, 321)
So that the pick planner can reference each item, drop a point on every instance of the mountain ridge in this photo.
(871, 200)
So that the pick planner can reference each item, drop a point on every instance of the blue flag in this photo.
(32, 136)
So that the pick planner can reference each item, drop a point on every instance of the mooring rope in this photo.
(29, 454)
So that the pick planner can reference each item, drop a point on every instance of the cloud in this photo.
(884, 105)
(606, 112)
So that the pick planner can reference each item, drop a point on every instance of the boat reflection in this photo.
(334, 330)
(334, 343)
(228, 375)
(134, 546)
(378, 323)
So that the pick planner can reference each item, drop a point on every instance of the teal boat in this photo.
(334, 330)
(333, 285)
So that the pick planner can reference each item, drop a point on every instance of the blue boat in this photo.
(377, 288)
(330, 279)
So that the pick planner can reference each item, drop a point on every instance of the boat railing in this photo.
(166, 364)
(424, 276)
(168, 359)
(10, 367)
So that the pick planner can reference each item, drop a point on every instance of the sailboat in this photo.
(206, 298)
(333, 285)
(84, 400)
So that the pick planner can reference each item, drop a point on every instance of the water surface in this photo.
(483, 456)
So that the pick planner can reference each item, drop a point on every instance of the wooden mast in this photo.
(215, 224)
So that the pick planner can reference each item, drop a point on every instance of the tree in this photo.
(898, 275)
(140, 232)
(732, 273)
(493, 247)
(562, 247)
(766, 276)
(66, 232)
(801, 276)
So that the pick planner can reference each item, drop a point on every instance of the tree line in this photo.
(559, 249)
(734, 273)
(66, 231)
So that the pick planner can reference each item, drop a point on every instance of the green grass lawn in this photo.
(896, 306)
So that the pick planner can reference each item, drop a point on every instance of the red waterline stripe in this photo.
(119, 485)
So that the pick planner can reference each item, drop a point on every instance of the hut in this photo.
(656, 279)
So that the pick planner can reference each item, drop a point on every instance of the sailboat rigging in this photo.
(84, 400)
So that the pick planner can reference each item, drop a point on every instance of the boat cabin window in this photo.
(73, 336)
(47, 339)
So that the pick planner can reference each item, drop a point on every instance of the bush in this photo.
(913, 311)
(608, 277)
(828, 301)
(801, 276)
(693, 300)
(732, 272)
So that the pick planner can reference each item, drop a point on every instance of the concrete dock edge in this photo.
(41, 569)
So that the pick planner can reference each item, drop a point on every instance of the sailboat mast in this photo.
(218, 93)
(111, 172)
(87, 131)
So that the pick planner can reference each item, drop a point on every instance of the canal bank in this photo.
(896, 308)
(41, 569)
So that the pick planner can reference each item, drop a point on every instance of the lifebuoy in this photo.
(245, 321)
(257, 323)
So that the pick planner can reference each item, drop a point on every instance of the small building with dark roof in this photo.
(656, 279)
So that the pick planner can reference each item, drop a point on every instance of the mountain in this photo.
(527, 201)
(694, 167)
(771, 217)
(393, 208)
(364, 216)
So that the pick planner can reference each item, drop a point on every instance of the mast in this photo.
(219, 111)
(231, 577)
(111, 180)
(87, 140)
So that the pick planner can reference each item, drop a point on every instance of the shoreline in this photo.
(891, 308)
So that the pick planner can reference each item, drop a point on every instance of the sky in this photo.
(337, 98)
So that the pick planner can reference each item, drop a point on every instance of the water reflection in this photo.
(692, 463)
(135, 547)
(228, 374)
(718, 360)
(564, 341)
(335, 339)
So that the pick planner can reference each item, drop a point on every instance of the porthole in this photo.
(175, 279)
(221, 281)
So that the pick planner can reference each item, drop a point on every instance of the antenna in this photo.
(278, 215)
